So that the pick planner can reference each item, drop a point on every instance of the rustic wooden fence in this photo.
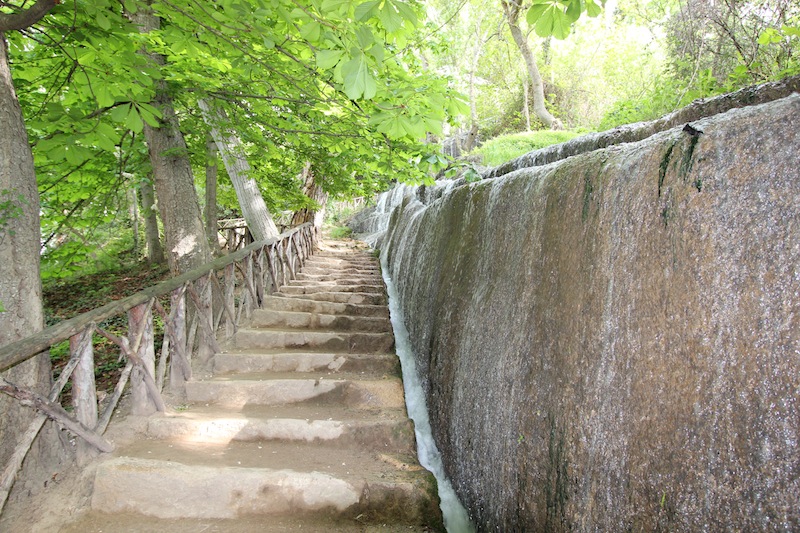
(222, 292)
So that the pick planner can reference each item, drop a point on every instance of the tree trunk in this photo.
(155, 252)
(312, 190)
(211, 196)
(526, 110)
(21, 311)
(254, 210)
(511, 9)
(187, 246)
(133, 213)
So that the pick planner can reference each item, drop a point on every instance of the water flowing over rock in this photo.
(611, 342)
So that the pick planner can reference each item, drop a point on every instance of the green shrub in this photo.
(507, 147)
(341, 232)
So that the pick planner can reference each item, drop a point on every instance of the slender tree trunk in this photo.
(133, 213)
(472, 136)
(155, 252)
(511, 9)
(21, 311)
(211, 195)
(255, 212)
(526, 111)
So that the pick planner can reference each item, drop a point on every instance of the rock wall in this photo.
(612, 342)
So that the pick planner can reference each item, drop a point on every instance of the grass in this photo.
(340, 232)
(507, 147)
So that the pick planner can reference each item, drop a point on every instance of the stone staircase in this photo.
(301, 426)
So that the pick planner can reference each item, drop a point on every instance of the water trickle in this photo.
(455, 516)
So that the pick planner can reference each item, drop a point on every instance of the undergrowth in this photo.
(68, 297)
(506, 147)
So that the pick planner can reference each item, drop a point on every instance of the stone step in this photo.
(168, 480)
(324, 341)
(298, 290)
(301, 305)
(339, 390)
(357, 298)
(385, 430)
(248, 362)
(270, 318)
(100, 522)
(333, 282)
(341, 262)
(370, 262)
(310, 272)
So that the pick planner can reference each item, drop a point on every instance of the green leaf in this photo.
(335, 5)
(593, 8)
(310, 31)
(365, 37)
(104, 98)
(134, 122)
(561, 24)
(766, 36)
(147, 116)
(366, 10)
(327, 59)
(793, 31)
(358, 82)
(407, 12)
(389, 17)
(156, 112)
(130, 6)
(106, 137)
(574, 9)
(119, 113)
(537, 11)
(76, 154)
(103, 21)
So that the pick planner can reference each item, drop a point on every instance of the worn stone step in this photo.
(260, 361)
(321, 281)
(339, 390)
(271, 318)
(327, 341)
(302, 305)
(310, 272)
(196, 481)
(297, 290)
(100, 522)
(357, 298)
(385, 430)
(341, 262)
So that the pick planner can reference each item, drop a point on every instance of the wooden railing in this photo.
(222, 292)
(234, 233)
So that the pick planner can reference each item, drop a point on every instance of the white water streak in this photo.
(455, 516)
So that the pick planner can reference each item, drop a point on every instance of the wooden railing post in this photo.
(270, 252)
(180, 367)
(251, 299)
(140, 324)
(230, 302)
(258, 277)
(84, 392)
(201, 293)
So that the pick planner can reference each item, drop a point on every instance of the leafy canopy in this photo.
(331, 82)
(556, 17)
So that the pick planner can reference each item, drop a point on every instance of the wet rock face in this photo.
(612, 342)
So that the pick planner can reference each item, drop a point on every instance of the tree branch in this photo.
(23, 19)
